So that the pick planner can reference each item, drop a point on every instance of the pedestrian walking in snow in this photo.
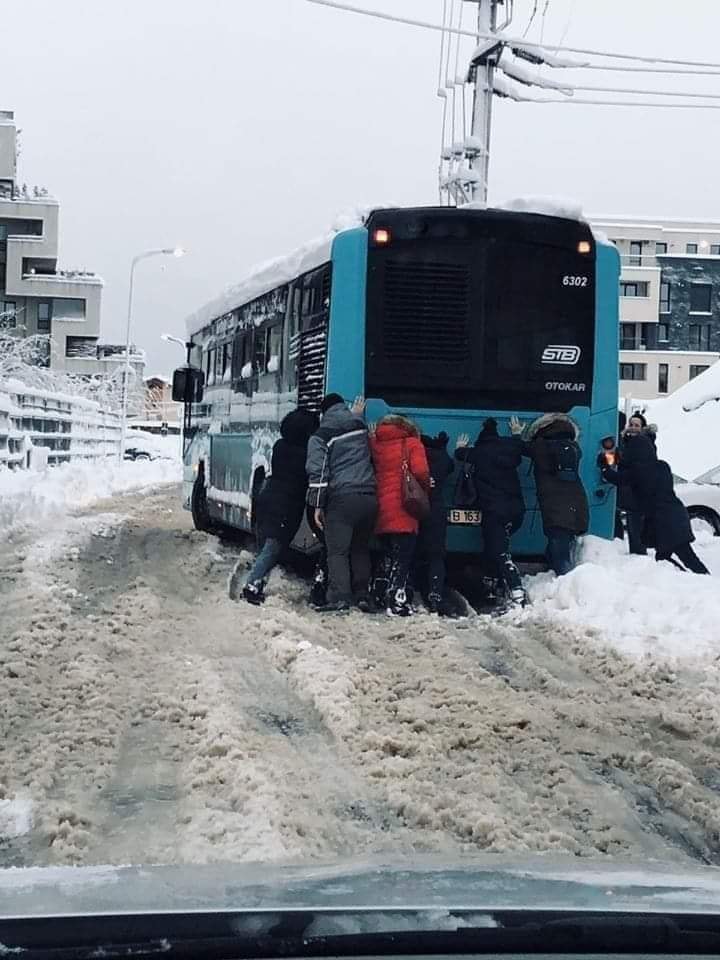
(433, 528)
(495, 461)
(551, 444)
(342, 493)
(398, 454)
(280, 504)
(636, 426)
(667, 524)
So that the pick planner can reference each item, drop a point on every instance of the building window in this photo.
(664, 297)
(700, 336)
(68, 310)
(44, 314)
(635, 259)
(3, 232)
(715, 249)
(700, 297)
(633, 371)
(663, 332)
(7, 312)
(660, 248)
(691, 248)
(697, 368)
(628, 336)
(81, 348)
(634, 288)
(663, 371)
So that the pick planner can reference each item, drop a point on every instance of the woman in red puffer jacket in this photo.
(396, 440)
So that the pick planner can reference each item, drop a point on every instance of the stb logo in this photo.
(566, 355)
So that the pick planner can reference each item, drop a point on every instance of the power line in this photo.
(510, 41)
(532, 18)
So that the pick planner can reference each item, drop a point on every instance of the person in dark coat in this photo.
(433, 529)
(552, 446)
(495, 462)
(667, 524)
(634, 520)
(281, 502)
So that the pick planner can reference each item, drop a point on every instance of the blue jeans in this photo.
(560, 550)
(270, 552)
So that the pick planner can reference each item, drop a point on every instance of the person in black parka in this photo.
(552, 445)
(433, 529)
(280, 504)
(495, 462)
(667, 524)
(634, 520)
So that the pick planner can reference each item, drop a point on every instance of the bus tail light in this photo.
(381, 237)
(584, 246)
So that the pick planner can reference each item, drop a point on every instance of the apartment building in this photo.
(36, 296)
(669, 301)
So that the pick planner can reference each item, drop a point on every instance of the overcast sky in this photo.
(240, 128)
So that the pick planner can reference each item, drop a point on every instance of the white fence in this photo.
(68, 428)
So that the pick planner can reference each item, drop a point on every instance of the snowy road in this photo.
(146, 718)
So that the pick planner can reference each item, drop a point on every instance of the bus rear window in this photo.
(489, 323)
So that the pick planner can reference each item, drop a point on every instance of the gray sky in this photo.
(240, 128)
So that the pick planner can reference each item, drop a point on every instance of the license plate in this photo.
(464, 516)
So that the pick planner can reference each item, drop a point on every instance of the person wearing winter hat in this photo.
(495, 460)
(552, 445)
(342, 493)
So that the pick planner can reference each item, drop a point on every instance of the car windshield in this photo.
(336, 596)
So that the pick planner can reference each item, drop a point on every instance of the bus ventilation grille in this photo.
(426, 311)
(310, 346)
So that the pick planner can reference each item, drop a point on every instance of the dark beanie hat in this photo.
(489, 428)
(329, 401)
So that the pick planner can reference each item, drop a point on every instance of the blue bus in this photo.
(446, 315)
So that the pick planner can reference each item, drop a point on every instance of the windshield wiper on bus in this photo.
(217, 936)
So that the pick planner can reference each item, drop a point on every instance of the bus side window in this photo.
(240, 358)
(316, 297)
(294, 301)
(259, 352)
(273, 349)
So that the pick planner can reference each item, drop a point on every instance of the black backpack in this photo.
(565, 459)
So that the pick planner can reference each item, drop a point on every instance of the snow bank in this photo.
(687, 439)
(31, 499)
(638, 606)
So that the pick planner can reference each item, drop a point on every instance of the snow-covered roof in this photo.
(273, 273)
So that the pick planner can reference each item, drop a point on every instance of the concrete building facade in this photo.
(36, 297)
(669, 301)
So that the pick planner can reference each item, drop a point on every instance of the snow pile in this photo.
(547, 206)
(15, 816)
(29, 498)
(687, 439)
(638, 606)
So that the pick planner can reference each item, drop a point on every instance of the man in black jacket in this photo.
(342, 493)
(495, 461)
(279, 505)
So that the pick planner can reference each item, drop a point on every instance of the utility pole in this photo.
(484, 67)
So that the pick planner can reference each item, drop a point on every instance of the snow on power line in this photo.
(513, 41)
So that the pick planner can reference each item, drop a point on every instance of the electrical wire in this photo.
(443, 94)
(513, 41)
(532, 18)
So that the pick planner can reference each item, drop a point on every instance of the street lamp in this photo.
(165, 252)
